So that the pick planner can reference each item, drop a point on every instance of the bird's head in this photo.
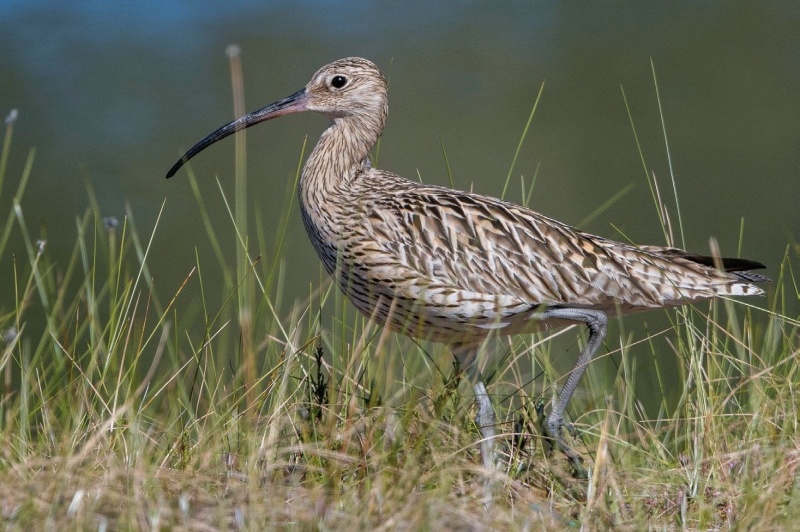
(351, 88)
(348, 87)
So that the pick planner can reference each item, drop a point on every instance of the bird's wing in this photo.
(445, 248)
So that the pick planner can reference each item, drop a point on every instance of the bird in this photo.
(457, 267)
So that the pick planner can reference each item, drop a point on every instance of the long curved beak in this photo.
(295, 103)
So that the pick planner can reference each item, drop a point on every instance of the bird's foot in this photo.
(486, 421)
(553, 431)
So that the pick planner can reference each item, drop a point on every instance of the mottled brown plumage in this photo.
(455, 267)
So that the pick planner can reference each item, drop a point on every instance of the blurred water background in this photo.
(112, 93)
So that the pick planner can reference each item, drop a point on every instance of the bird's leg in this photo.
(485, 417)
(486, 420)
(552, 425)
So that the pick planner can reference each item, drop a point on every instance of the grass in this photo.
(125, 408)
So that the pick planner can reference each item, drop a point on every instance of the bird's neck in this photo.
(339, 156)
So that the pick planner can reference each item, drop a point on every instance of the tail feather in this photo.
(751, 277)
(729, 265)
(738, 267)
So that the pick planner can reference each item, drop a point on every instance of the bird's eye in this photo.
(337, 82)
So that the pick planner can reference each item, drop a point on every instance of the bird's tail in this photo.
(738, 268)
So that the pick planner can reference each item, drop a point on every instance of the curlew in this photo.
(456, 267)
